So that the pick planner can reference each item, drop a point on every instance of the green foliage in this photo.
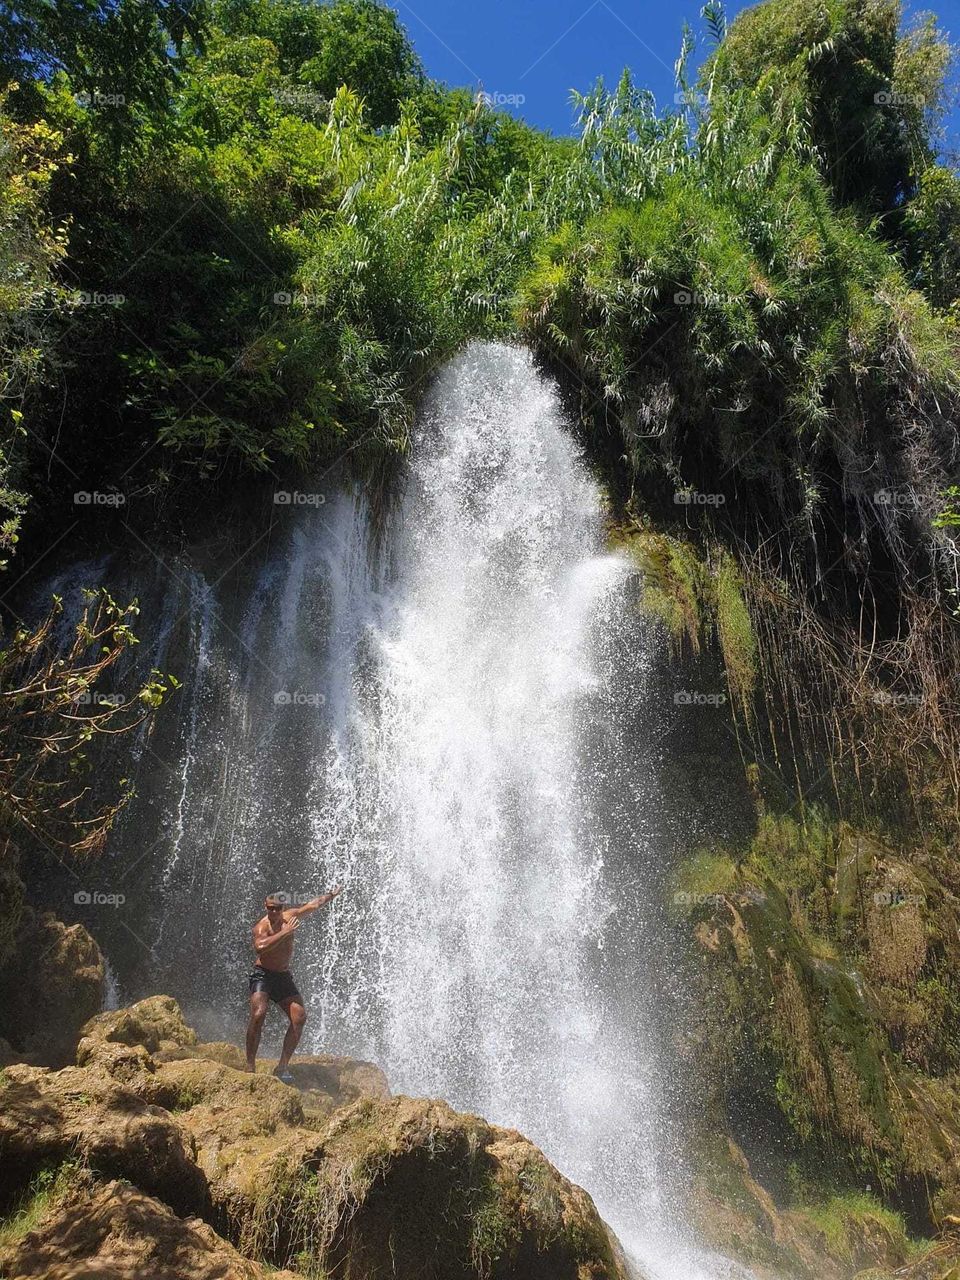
(121, 58)
(932, 235)
(358, 44)
(849, 1218)
(47, 1187)
(31, 245)
(868, 90)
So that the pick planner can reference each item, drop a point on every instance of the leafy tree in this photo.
(51, 710)
(120, 56)
(932, 235)
(356, 43)
(31, 246)
(870, 92)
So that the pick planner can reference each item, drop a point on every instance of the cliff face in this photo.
(158, 1153)
(825, 960)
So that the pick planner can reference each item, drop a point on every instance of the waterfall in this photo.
(453, 718)
(496, 946)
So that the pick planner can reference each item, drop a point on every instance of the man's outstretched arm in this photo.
(315, 903)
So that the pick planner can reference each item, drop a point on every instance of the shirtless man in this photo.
(272, 980)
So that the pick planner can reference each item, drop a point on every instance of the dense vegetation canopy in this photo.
(240, 236)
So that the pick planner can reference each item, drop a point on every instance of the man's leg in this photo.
(298, 1016)
(259, 1004)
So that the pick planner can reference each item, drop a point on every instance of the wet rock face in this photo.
(334, 1175)
(825, 966)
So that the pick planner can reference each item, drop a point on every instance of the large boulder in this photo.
(115, 1232)
(363, 1198)
(42, 1017)
(156, 1023)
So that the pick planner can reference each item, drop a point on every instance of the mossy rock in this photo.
(113, 1231)
(364, 1186)
(156, 1023)
(362, 1200)
(47, 1117)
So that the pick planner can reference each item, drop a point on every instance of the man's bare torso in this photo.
(277, 959)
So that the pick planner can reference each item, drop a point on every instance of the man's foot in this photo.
(283, 1074)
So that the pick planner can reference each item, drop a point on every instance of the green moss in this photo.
(701, 878)
(846, 1218)
(674, 578)
(494, 1230)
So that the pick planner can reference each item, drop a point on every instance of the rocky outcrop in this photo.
(155, 1023)
(115, 1232)
(334, 1176)
(52, 982)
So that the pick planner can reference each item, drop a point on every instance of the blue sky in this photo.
(537, 50)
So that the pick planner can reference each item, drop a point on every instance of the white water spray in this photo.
(465, 796)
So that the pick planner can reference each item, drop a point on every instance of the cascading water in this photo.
(499, 948)
(449, 719)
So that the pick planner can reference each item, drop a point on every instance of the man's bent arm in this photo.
(266, 941)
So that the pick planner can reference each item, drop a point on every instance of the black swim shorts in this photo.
(278, 986)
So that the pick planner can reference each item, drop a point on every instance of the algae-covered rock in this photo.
(826, 963)
(827, 1239)
(42, 1018)
(115, 1232)
(228, 1055)
(47, 1117)
(362, 1197)
(156, 1023)
(335, 1178)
